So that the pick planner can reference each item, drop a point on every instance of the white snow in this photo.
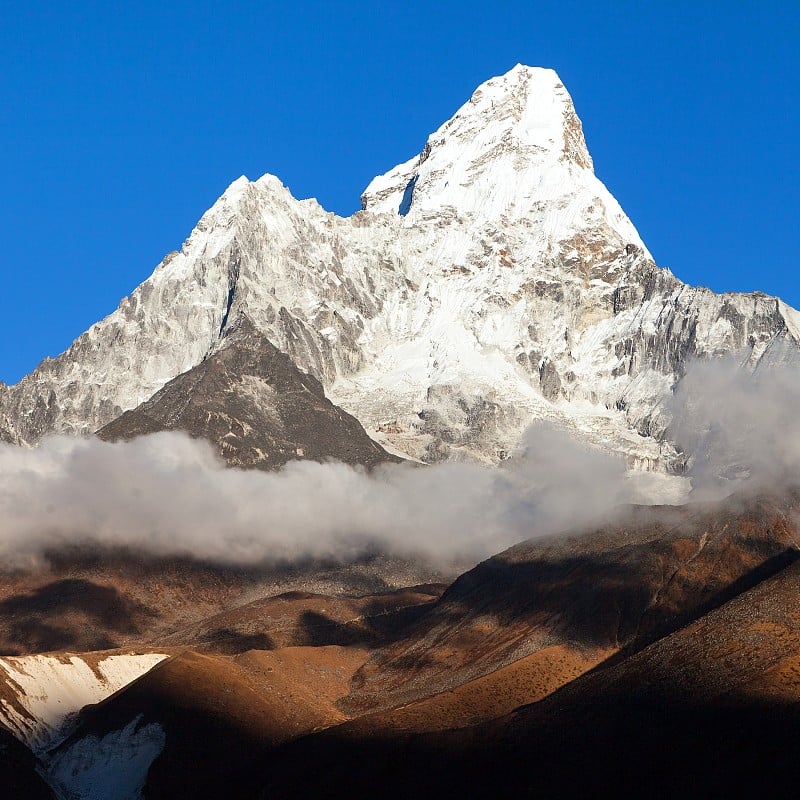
(505, 152)
(40, 695)
(113, 767)
(792, 318)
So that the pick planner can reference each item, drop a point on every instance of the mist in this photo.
(169, 495)
(738, 429)
(166, 494)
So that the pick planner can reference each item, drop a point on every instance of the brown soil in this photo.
(712, 710)
(617, 588)
(524, 681)
(78, 601)
(302, 619)
(658, 656)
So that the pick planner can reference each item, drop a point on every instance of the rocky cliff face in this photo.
(252, 402)
(490, 281)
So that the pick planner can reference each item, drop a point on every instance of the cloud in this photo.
(167, 494)
(737, 428)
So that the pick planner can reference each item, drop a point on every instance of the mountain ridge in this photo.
(511, 288)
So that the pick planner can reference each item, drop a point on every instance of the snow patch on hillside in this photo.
(113, 767)
(41, 695)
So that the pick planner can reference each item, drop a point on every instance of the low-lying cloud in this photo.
(737, 428)
(167, 494)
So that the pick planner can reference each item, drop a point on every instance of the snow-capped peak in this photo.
(517, 132)
(491, 280)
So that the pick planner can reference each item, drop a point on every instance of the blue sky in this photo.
(121, 123)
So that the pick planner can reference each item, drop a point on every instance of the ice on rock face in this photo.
(487, 282)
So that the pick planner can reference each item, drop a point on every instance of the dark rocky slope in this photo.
(256, 407)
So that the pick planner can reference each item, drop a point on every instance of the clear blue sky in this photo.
(120, 123)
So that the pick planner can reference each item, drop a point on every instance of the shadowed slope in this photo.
(255, 406)
(617, 588)
(81, 600)
(71, 613)
(18, 771)
(297, 619)
(712, 710)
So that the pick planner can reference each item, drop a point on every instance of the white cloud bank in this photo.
(169, 495)
(738, 428)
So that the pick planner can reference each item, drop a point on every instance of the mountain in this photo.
(708, 711)
(255, 405)
(585, 598)
(101, 600)
(487, 282)
(657, 649)
(207, 711)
